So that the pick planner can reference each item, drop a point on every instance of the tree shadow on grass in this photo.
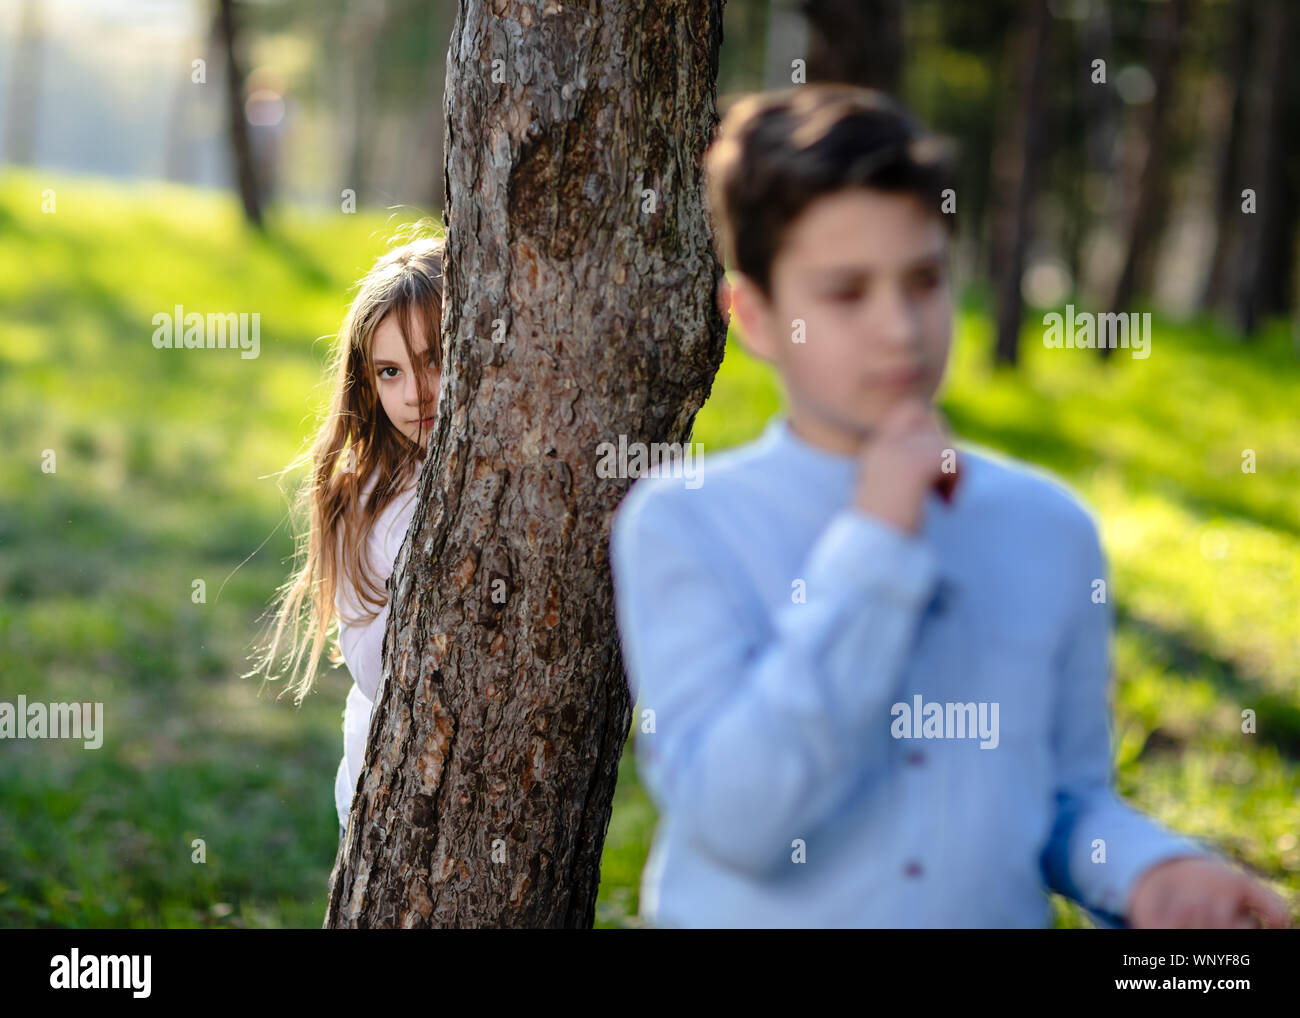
(1041, 444)
(1278, 717)
(299, 256)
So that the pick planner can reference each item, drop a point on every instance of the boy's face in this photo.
(395, 381)
(866, 272)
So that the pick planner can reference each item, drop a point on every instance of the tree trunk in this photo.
(1227, 192)
(1171, 24)
(1254, 280)
(1099, 106)
(240, 150)
(24, 87)
(503, 709)
(1274, 293)
(1295, 310)
(358, 40)
(1017, 167)
(855, 41)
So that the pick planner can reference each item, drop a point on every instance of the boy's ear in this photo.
(752, 311)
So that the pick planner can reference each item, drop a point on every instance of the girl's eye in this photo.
(380, 373)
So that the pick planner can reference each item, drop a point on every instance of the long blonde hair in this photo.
(355, 442)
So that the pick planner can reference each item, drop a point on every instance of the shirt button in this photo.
(912, 869)
(916, 758)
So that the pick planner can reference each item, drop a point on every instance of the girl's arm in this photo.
(362, 645)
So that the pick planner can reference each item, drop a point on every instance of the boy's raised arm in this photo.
(754, 745)
(1099, 845)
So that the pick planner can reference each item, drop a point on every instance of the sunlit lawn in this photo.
(166, 472)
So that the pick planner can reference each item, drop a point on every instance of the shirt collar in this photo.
(825, 470)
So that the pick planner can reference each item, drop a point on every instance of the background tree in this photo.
(359, 34)
(1090, 162)
(578, 238)
(1017, 165)
(24, 86)
(228, 30)
(856, 41)
(1169, 23)
(1262, 266)
(1233, 73)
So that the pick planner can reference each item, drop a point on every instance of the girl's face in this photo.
(395, 381)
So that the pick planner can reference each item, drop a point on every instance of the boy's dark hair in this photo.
(777, 152)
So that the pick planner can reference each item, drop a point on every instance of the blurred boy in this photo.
(867, 698)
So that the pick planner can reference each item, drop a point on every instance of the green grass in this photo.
(165, 471)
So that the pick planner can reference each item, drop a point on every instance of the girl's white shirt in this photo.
(362, 645)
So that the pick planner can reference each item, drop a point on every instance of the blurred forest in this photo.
(1109, 151)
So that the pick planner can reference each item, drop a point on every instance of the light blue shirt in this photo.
(773, 636)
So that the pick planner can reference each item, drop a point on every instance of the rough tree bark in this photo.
(494, 746)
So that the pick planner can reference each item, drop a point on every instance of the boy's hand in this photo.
(1195, 893)
(901, 462)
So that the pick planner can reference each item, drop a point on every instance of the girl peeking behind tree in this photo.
(360, 495)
